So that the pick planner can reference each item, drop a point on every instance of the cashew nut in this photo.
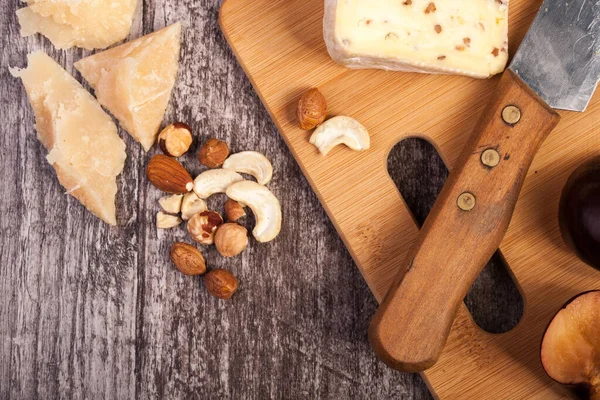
(252, 163)
(340, 130)
(215, 181)
(264, 205)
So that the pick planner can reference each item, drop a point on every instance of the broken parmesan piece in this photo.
(84, 147)
(134, 80)
(430, 36)
(91, 24)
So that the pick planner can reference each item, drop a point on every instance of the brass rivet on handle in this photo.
(466, 201)
(490, 158)
(511, 115)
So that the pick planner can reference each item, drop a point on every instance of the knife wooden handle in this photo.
(464, 228)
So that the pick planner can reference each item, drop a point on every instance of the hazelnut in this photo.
(231, 239)
(234, 210)
(312, 110)
(213, 153)
(187, 259)
(202, 226)
(221, 283)
(166, 221)
(175, 140)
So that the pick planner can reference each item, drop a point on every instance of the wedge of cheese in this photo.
(466, 37)
(91, 24)
(84, 146)
(134, 80)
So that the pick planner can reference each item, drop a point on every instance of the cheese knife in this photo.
(557, 66)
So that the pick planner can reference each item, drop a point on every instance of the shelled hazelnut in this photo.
(202, 226)
(311, 110)
(221, 283)
(234, 210)
(175, 140)
(231, 239)
(213, 153)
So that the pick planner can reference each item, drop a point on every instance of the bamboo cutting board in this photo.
(279, 44)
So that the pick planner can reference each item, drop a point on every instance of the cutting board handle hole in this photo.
(494, 300)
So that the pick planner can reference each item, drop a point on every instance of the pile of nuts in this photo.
(311, 113)
(187, 202)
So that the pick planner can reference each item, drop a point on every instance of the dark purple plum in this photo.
(579, 212)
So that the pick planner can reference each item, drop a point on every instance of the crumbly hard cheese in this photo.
(466, 37)
(84, 147)
(91, 24)
(134, 80)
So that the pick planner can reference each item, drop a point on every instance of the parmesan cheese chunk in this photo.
(84, 146)
(134, 80)
(91, 24)
(465, 37)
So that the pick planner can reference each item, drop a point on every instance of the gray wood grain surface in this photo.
(89, 311)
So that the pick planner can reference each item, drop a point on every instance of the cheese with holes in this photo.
(91, 24)
(82, 140)
(134, 80)
(466, 37)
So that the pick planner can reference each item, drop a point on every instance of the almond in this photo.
(221, 283)
(187, 259)
(169, 175)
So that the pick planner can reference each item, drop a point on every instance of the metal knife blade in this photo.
(560, 56)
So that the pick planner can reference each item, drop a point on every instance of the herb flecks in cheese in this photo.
(442, 36)
(430, 8)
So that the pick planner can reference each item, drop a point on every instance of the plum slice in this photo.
(571, 346)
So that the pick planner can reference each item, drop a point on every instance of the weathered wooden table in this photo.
(89, 311)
